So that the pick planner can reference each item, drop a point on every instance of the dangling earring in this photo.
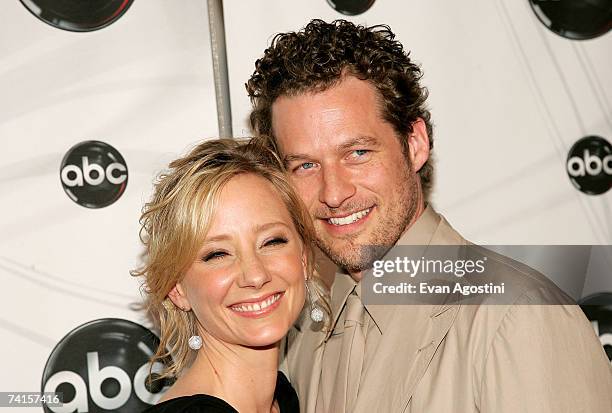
(316, 313)
(195, 342)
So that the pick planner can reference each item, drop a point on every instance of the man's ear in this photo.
(418, 145)
(178, 297)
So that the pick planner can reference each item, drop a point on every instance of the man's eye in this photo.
(275, 241)
(214, 255)
(359, 155)
(302, 167)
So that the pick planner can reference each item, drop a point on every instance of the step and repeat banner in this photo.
(97, 97)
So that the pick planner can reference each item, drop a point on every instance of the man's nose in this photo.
(336, 186)
(254, 273)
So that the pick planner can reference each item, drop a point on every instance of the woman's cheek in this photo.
(218, 285)
(290, 268)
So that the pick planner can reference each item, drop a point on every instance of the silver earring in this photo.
(316, 313)
(195, 342)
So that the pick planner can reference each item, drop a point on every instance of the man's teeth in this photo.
(349, 219)
(257, 306)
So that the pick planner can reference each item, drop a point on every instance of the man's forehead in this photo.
(350, 93)
(327, 120)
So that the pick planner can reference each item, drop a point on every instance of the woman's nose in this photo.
(254, 272)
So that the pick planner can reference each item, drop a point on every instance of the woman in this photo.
(228, 266)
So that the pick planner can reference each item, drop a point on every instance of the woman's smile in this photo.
(258, 308)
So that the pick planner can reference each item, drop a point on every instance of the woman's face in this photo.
(246, 285)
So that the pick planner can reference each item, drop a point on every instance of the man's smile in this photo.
(346, 224)
(349, 219)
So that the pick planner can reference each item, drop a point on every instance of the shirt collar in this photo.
(343, 286)
(420, 233)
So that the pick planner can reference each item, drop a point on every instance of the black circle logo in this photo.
(78, 15)
(598, 309)
(575, 19)
(589, 165)
(103, 366)
(351, 7)
(94, 174)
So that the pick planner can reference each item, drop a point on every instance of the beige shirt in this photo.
(459, 358)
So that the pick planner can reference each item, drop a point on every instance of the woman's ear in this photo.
(418, 145)
(178, 297)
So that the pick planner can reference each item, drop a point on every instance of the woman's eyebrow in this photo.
(220, 237)
(258, 228)
(267, 225)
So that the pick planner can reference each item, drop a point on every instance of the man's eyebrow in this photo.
(294, 157)
(351, 143)
(358, 141)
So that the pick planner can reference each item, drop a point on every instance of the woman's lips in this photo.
(255, 309)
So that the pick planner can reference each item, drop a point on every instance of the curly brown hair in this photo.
(320, 55)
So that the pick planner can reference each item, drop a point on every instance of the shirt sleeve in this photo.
(545, 358)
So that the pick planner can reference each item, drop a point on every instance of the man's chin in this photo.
(352, 257)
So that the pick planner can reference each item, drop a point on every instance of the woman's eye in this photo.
(214, 255)
(275, 241)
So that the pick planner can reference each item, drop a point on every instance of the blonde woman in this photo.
(228, 268)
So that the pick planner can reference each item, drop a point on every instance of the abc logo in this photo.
(351, 7)
(78, 15)
(93, 174)
(598, 309)
(574, 19)
(103, 366)
(589, 165)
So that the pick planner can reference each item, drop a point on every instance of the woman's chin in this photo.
(267, 337)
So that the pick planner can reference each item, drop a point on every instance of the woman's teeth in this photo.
(349, 219)
(257, 306)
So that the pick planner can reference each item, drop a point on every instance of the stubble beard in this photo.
(357, 256)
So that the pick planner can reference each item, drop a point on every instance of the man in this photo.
(343, 107)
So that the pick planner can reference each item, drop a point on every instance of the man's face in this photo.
(348, 166)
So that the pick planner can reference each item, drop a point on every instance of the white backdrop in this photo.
(508, 98)
(144, 85)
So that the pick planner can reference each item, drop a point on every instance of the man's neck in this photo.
(420, 209)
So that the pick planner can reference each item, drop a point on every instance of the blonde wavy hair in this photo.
(175, 222)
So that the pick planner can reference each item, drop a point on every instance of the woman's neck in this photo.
(242, 376)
